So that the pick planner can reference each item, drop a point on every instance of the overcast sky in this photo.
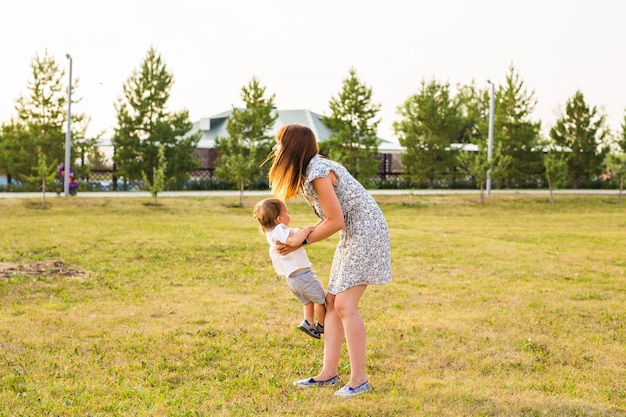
(302, 51)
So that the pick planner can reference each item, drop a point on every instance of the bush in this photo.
(206, 184)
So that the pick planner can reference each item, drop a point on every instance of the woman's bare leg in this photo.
(333, 339)
(346, 306)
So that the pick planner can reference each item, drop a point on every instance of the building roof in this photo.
(215, 126)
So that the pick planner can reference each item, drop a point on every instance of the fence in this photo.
(104, 178)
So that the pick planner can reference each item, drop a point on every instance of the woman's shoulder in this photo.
(320, 167)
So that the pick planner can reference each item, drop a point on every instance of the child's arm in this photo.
(295, 239)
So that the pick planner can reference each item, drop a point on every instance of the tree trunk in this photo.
(43, 189)
(550, 187)
(241, 187)
(482, 194)
(154, 178)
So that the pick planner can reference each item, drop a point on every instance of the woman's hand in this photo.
(284, 249)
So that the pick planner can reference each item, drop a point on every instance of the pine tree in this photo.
(582, 131)
(144, 125)
(516, 133)
(430, 122)
(243, 152)
(354, 141)
(39, 129)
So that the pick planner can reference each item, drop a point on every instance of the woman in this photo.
(362, 256)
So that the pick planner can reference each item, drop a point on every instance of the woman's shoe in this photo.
(348, 391)
(310, 382)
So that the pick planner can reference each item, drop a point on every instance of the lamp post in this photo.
(68, 136)
(492, 107)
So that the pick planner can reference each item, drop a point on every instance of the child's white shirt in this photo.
(285, 265)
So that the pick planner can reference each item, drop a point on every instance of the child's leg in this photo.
(320, 312)
(308, 313)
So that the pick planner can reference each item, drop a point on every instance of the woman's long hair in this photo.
(298, 146)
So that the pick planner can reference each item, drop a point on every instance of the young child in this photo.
(274, 220)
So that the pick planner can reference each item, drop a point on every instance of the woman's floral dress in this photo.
(363, 255)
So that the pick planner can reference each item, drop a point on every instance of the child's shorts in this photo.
(306, 287)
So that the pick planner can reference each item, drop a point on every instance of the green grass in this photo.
(514, 308)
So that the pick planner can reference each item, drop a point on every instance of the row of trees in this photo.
(576, 150)
(432, 124)
(156, 146)
(32, 144)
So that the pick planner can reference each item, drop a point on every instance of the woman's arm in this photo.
(295, 239)
(332, 209)
(334, 220)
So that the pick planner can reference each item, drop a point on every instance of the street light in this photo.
(492, 107)
(68, 136)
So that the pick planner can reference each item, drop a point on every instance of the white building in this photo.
(215, 126)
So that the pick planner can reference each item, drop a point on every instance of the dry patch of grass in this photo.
(38, 269)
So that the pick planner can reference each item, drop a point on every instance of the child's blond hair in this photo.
(267, 211)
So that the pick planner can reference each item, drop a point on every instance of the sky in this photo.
(303, 51)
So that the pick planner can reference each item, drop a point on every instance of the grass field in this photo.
(115, 307)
